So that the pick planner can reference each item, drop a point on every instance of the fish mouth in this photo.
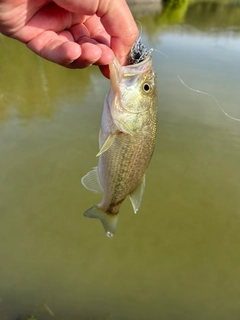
(137, 68)
(117, 72)
(139, 52)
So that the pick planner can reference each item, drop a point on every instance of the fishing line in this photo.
(199, 91)
(140, 25)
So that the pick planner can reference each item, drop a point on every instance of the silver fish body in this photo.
(126, 141)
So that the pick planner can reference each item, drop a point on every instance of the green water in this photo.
(178, 258)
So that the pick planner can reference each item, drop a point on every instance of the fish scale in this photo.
(130, 165)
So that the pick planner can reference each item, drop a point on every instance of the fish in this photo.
(126, 138)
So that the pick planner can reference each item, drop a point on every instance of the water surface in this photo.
(178, 258)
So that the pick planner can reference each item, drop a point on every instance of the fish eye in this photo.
(147, 87)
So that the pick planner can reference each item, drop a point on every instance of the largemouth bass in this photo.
(126, 139)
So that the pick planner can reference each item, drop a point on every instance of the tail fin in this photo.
(109, 221)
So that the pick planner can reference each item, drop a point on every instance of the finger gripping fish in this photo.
(126, 139)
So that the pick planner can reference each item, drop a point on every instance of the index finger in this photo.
(116, 18)
(118, 21)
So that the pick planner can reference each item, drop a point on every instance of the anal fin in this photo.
(137, 195)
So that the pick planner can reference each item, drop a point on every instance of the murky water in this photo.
(178, 258)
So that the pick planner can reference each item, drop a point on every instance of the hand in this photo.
(72, 33)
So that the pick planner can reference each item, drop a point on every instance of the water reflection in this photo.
(178, 258)
(209, 16)
(140, 9)
(32, 87)
(214, 16)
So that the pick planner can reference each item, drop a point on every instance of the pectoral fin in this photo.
(107, 144)
(137, 195)
(109, 221)
(91, 181)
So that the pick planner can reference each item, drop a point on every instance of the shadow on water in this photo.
(178, 257)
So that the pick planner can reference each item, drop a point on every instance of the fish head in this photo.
(133, 93)
(136, 85)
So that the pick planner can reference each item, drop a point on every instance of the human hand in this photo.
(71, 33)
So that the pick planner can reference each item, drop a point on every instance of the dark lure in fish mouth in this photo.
(139, 52)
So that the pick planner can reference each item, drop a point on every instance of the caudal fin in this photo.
(109, 221)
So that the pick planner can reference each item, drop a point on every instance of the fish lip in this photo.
(115, 74)
(147, 61)
(138, 68)
(139, 64)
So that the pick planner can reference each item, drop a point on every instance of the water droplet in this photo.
(109, 234)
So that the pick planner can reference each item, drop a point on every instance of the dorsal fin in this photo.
(91, 181)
